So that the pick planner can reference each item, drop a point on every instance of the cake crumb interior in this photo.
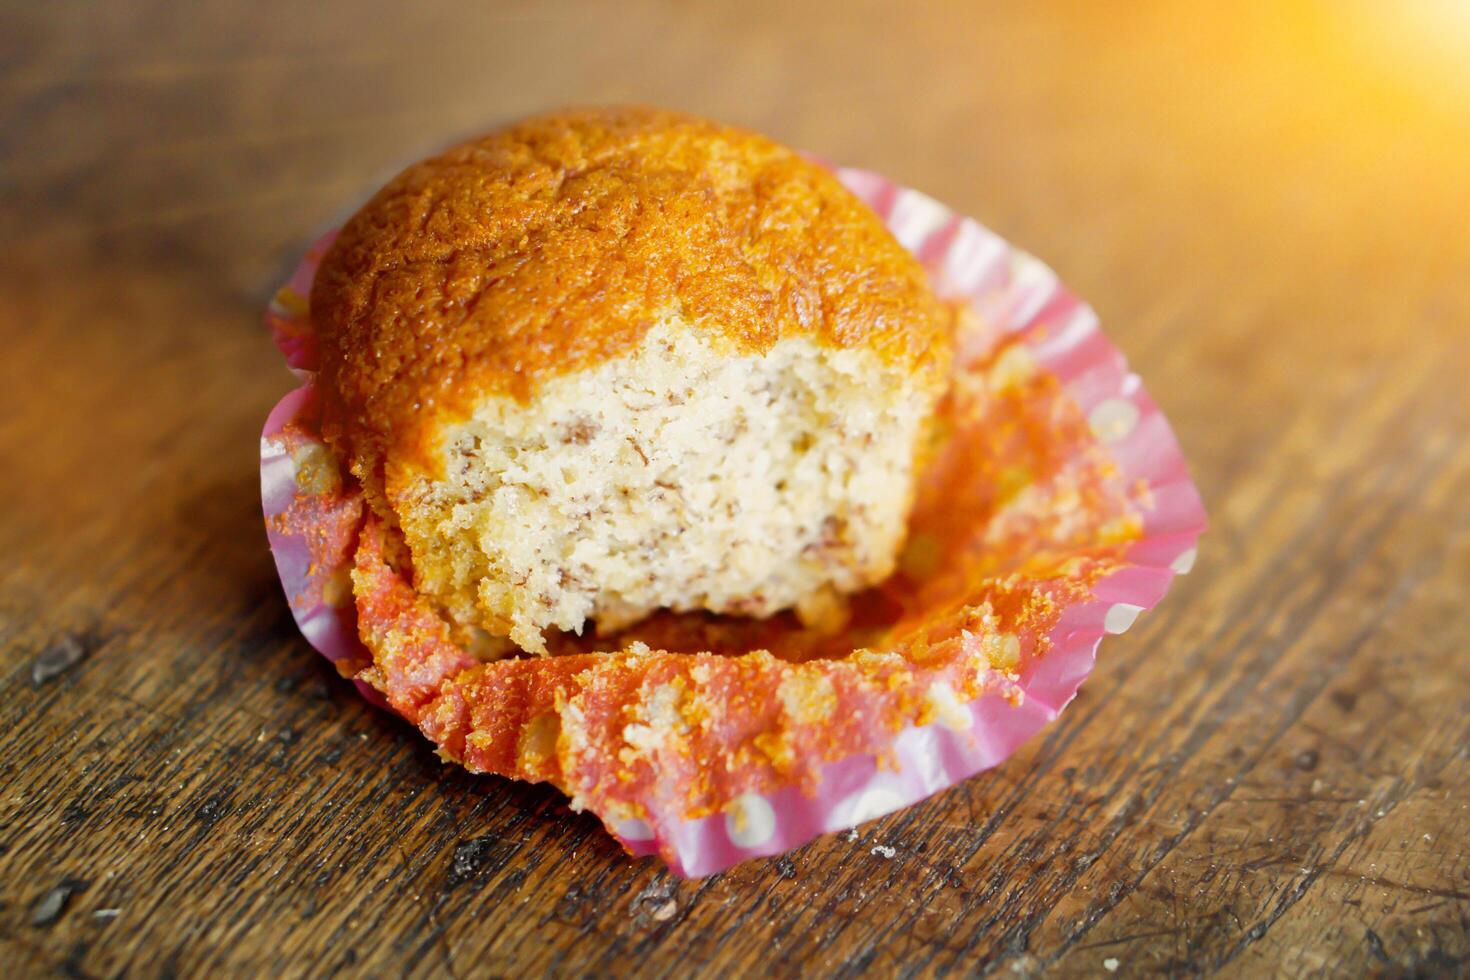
(681, 476)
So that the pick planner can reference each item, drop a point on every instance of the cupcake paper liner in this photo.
(1056, 508)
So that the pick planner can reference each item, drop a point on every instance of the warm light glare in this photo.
(1422, 43)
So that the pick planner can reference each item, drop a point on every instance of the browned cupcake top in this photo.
(555, 244)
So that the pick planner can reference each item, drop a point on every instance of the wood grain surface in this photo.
(1270, 774)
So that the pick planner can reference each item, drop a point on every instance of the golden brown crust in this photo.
(554, 244)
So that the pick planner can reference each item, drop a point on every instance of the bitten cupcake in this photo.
(606, 362)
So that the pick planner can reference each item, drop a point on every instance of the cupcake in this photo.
(616, 364)
(607, 362)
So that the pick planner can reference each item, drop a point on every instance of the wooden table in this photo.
(1271, 773)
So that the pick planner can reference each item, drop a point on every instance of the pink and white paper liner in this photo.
(1012, 292)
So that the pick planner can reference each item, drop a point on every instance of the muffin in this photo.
(612, 361)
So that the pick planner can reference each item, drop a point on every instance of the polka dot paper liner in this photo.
(1055, 509)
